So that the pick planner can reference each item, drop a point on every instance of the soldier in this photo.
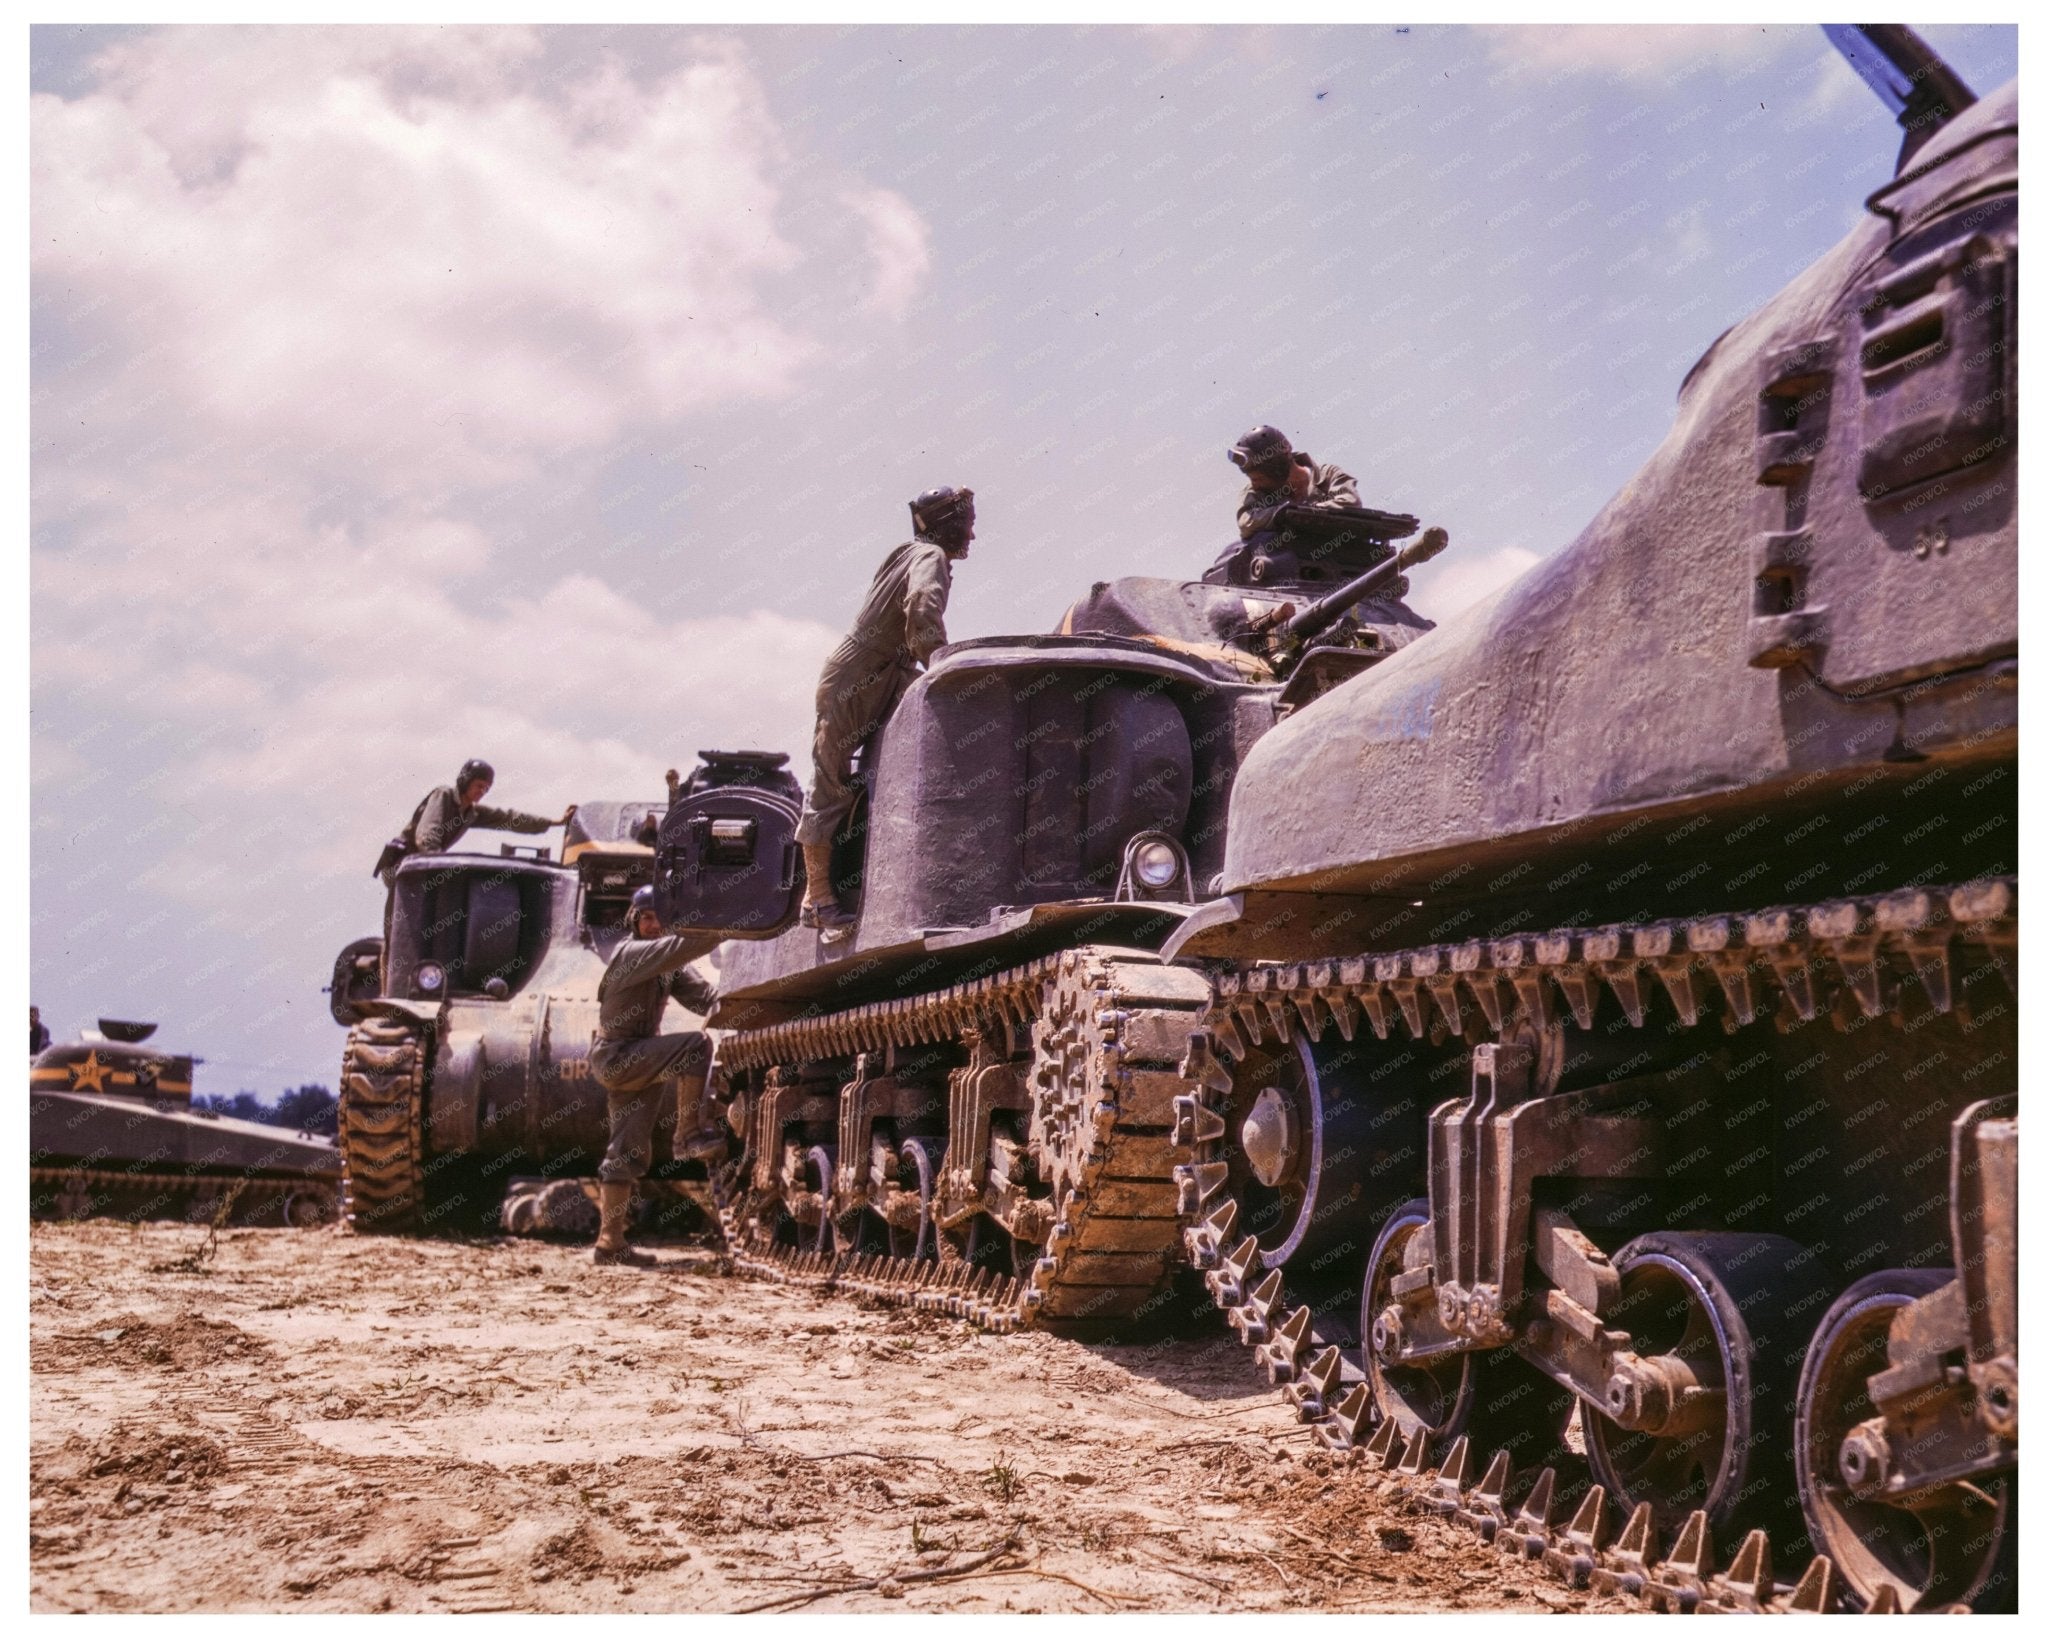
(899, 626)
(1278, 475)
(632, 1061)
(38, 1032)
(447, 813)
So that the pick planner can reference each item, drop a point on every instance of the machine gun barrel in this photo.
(1326, 611)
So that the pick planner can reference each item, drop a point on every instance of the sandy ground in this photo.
(311, 1421)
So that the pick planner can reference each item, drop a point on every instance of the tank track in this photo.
(1108, 1030)
(76, 1191)
(381, 1128)
(1749, 956)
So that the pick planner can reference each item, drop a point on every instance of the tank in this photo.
(467, 1062)
(112, 1131)
(967, 1103)
(1607, 1103)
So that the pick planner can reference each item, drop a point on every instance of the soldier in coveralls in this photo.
(1278, 475)
(900, 624)
(445, 815)
(634, 1063)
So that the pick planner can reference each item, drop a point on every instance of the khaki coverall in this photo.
(899, 627)
(631, 1060)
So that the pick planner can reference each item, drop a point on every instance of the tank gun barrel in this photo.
(1324, 612)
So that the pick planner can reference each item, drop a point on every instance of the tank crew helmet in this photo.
(643, 900)
(944, 514)
(1263, 449)
(474, 769)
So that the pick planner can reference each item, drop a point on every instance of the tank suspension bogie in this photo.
(1020, 1173)
(1537, 1249)
(1907, 1435)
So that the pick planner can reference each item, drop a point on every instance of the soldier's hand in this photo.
(1298, 480)
(568, 813)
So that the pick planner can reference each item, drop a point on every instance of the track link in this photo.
(1749, 957)
(85, 1191)
(380, 1128)
(1107, 1031)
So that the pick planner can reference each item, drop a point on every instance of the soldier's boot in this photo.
(821, 906)
(614, 1200)
(696, 1137)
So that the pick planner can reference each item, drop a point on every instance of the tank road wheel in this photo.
(825, 1239)
(1493, 1397)
(1434, 1396)
(915, 1171)
(1727, 1306)
(1938, 1547)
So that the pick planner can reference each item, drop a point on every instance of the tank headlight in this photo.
(1156, 864)
(429, 978)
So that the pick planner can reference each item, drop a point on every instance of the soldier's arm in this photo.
(929, 584)
(1339, 488)
(643, 958)
(691, 990)
(525, 824)
(1251, 519)
(437, 822)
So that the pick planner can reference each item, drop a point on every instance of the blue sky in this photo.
(550, 395)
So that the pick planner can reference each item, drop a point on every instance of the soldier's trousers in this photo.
(857, 691)
(636, 1077)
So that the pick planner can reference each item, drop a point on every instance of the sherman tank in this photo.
(967, 1104)
(1605, 1119)
(112, 1132)
(467, 1063)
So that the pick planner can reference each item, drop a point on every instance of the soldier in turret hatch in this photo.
(1278, 475)
(634, 1062)
(899, 626)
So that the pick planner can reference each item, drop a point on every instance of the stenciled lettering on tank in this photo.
(1407, 715)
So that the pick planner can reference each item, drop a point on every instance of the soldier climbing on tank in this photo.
(901, 623)
(633, 1062)
(1277, 476)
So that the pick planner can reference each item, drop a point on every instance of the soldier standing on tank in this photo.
(38, 1031)
(633, 1062)
(899, 626)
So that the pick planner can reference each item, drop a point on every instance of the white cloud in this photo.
(1454, 582)
(316, 312)
(408, 252)
(899, 243)
(1635, 51)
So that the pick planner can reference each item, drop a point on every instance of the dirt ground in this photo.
(305, 1420)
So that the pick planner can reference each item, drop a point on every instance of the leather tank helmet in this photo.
(474, 769)
(1264, 450)
(944, 515)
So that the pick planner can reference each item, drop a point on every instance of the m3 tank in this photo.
(467, 1062)
(112, 1132)
(1606, 1116)
(967, 1105)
